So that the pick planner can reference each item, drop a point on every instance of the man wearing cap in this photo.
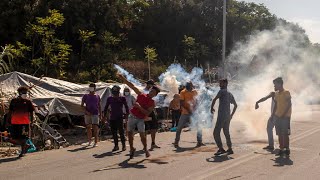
(92, 110)
(117, 102)
(139, 113)
(19, 118)
(152, 123)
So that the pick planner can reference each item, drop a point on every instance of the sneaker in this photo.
(116, 148)
(287, 151)
(175, 144)
(219, 152)
(95, 145)
(147, 153)
(132, 152)
(269, 148)
(280, 153)
(153, 146)
(199, 144)
(124, 148)
(230, 151)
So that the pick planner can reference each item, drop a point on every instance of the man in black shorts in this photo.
(19, 118)
(152, 123)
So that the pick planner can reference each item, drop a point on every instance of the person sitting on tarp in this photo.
(19, 118)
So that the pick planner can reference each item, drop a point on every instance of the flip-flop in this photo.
(132, 153)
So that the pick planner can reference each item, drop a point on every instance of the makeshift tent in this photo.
(57, 95)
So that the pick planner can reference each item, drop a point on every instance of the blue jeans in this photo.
(270, 126)
(184, 119)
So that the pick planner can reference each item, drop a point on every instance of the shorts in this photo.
(282, 125)
(91, 119)
(153, 124)
(19, 131)
(134, 122)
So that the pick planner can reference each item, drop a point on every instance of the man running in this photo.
(117, 102)
(139, 113)
(282, 114)
(19, 118)
(270, 123)
(188, 105)
(92, 113)
(224, 117)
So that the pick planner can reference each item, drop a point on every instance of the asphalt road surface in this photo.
(187, 162)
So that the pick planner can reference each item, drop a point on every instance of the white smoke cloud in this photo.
(265, 56)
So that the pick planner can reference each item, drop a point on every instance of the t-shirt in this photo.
(116, 104)
(282, 99)
(189, 98)
(145, 102)
(225, 99)
(21, 110)
(92, 103)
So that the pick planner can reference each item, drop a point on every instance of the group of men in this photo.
(136, 113)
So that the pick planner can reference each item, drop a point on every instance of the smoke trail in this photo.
(128, 76)
(175, 76)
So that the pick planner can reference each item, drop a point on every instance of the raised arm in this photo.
(271, 95)
(133, 87)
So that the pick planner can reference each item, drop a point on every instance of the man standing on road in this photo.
(282, 114)
(139, 113)
(92, 110)
(19, 118)
(224, 117)
(270, 124)
(152, 123)
(117, 102)
(188, 105)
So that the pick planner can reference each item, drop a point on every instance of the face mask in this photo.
(91, 89)
(24, 96)
(126, 93)
(115, 93)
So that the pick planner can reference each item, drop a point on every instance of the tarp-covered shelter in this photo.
(57, 95)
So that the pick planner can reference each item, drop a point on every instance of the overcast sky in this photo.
(304, 12)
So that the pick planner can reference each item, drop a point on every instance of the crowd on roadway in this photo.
(126, 114)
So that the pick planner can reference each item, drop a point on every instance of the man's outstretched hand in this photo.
(256, 106)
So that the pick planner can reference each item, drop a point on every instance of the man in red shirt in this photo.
(19, 118)
(139, 113)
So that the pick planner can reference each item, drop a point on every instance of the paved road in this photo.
(188, 162)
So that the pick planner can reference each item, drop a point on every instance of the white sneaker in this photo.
(95, 145)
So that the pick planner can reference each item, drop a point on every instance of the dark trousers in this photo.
(225, 125)
(117, 125)
(175, 117)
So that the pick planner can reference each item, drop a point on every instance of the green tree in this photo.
(48, 52)
(150, 56)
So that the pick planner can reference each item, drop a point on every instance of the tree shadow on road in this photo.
(110, 153)
(282, 161)
(124, 164)
(130, 163)
(218, 159)
(9, 159)
(79, 149)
